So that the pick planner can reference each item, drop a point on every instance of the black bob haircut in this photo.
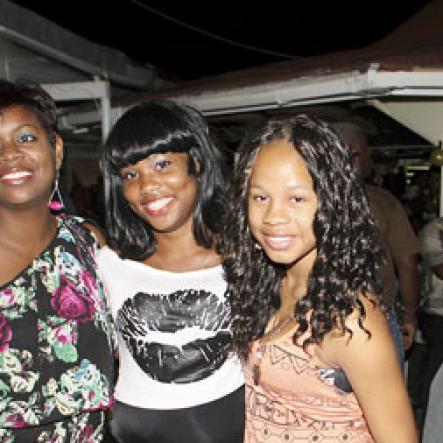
(160, 126)
(33, 97)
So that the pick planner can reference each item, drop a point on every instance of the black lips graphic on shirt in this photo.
(169, 313)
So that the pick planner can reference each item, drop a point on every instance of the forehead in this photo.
(178, 158)
(279, 154)
(19, 115)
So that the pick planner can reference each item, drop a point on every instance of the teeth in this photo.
(279, 242)
(279, 239)
(159, 204)
(16, 175)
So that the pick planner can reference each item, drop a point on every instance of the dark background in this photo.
(278, 30)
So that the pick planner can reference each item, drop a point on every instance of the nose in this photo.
(276, 214)
(9, 151)
(149, 185)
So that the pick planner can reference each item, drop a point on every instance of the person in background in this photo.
(177, 382)
(399, 273)
(301, 258)
(56, 364)
(431, 316)
(433, 424)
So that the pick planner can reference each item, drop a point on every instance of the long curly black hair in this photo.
(348, 251)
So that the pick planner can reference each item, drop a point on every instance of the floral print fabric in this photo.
(87, 427)
(56, 336)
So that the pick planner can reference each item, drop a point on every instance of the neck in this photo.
(29, 228)
(295, 284)
(178, 251)
(176, 243)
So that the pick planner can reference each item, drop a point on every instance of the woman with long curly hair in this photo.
(301, 260)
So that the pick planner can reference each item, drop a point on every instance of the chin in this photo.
(281, 257)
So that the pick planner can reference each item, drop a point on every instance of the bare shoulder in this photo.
(96, 232)
(373, 319)
(363, 335)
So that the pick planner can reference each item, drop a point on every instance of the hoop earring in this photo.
(57, 204)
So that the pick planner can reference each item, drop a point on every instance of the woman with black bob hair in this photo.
(159, 127)
(177, 381)
(301, 260)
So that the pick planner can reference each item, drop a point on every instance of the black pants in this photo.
(220, 421)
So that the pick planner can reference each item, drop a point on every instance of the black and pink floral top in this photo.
(56, 336)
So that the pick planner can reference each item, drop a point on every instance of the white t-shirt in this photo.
(173, 328)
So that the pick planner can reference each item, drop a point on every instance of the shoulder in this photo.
(374, 317)
(96, 232)
(381, 196)
(85, 232)
(363, 336)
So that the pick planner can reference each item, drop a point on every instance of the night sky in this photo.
(277, 30)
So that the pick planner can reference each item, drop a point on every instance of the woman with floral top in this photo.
(55, 334)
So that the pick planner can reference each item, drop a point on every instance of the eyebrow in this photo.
(291, 188)
(27, 125)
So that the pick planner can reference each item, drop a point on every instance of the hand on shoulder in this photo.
(96, 232)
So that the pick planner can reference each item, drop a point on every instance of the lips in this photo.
(158, 206)
(15, 176)
(279, 242)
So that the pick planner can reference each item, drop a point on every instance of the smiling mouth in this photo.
(279, 242)
(15, 176)
(159, 204)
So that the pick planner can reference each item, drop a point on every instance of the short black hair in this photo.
(32, 96)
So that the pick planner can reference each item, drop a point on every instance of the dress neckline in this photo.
(37, 257)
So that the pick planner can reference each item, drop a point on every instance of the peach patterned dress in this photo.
(293, 401)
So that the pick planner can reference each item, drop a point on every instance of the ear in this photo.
(196, 166)
(58, 151)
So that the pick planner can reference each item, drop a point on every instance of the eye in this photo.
(259, 198)
(297, 199)
(160, 165)
(26, 137)
(128, 175)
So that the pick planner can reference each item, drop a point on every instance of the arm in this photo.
(372, 368)
(409, 285)
(404, 248)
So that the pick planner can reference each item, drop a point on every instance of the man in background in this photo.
(399, 274)
(431, 318)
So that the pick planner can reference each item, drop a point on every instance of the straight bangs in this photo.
(124, 154)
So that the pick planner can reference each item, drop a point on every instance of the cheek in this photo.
(309, 224)
(188, 184)
(254, 220)
(129, 191)
(182, 180)
(45, 157)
